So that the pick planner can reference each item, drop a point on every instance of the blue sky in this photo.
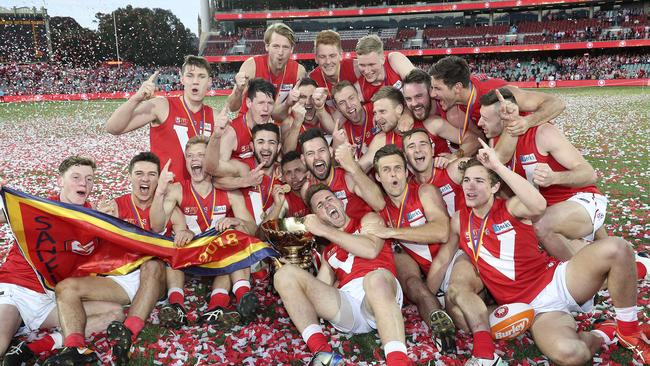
(83, 11)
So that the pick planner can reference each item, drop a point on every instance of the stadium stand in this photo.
(43, 78)
(23, 35)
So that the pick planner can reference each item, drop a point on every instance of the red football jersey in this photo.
(168, 139)
(283, 82)
(354, 206)
(260, 198)
(243, 151)
(451, 192)
(411, 214)
(508, 257)
(361, 134)
(17, 271)
(391, 78)
(346, 72)
(131, 213)
(296, 205)
(348, 267)
(202, 213)
(525, 160)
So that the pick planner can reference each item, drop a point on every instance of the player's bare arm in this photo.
(579, 172)
(165, 199)
(236, 97)
(361, 245)
(400, 63)
(139, 110)
(439, 127)
(544, 107)
(441, 261)
(246, 222)
(527, 202)
(358, 181)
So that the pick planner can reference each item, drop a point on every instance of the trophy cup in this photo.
(289, 237)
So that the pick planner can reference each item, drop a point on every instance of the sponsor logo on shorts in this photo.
(528, 159)
(413, 215)
(502, 227)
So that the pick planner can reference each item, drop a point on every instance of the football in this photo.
(510, 320)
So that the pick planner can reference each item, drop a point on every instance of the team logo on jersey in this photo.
(398, 84)
(528, 159)
(446, 189)
(340, 195)
(221, 209)
(181, 121)
(414, 215)
(502, 227)
(190, 211)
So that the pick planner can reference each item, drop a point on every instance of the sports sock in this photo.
(42, 345)
(74, 340)
(135, 325)
(315, 339)
(240, 288)
(218, 298)
(176, 295)
(483, 345)
(395, 353)
(627, 320)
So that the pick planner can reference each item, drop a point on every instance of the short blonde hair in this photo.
(328, 37)
(370, 43)
(198, 139)
(281, 29)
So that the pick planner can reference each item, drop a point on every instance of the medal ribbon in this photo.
(136, 214)
(198, 129)
(477, 240)
(268, 193)
(357, 153)
(405, 197)
(205, 214)
(470, 103)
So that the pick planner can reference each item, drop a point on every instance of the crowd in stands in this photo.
(42, 78)
(260, 5)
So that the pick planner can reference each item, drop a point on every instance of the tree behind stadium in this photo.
(147, 36)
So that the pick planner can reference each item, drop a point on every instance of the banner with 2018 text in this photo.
(61, 240)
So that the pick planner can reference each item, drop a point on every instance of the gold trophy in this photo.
(290, 238)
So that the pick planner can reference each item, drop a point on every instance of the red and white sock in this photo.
(240, 288)
(51, 341)
(627, 320)
(395, 353)
(315, 339)
(176, 295)
(74, 340)
(483, 345)
(135, 325)
(218, 298)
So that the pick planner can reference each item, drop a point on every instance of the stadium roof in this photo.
(23, 10)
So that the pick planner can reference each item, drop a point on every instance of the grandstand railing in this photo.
(393, 10)
(471, 50)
